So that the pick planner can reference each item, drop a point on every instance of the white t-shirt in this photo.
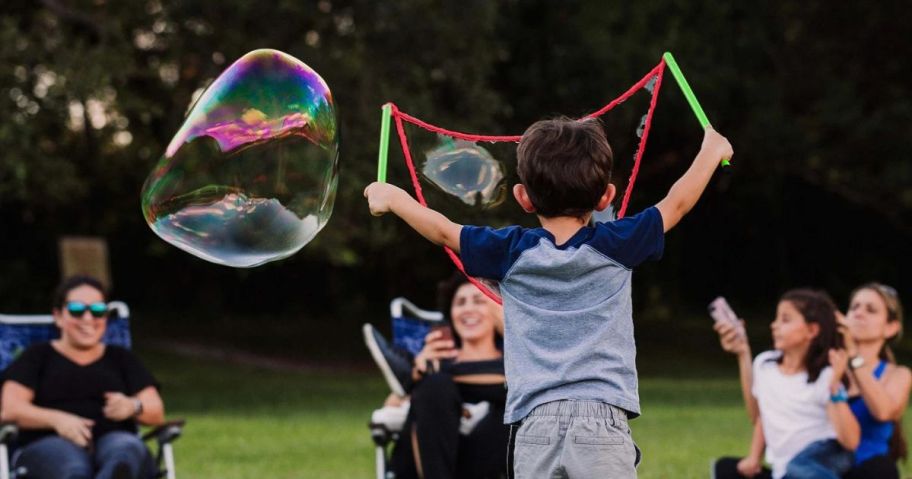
(792, 411)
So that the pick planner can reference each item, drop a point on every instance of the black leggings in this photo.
(435, 415)
(727, 468)
(879, 467)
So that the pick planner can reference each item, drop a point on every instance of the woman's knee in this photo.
(55, 457)
(434, 387)
(121, 444)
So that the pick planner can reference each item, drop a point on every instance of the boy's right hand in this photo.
(380, 197)
(716, 144)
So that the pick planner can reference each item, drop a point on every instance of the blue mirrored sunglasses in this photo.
(78, 308)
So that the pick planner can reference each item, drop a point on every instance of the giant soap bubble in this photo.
(466, 171)
(251, 175)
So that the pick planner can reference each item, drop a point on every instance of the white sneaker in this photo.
(391, 417)
(475, 413)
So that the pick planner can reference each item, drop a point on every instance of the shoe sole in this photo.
(374, 349)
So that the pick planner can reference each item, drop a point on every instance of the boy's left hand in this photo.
(380, 197)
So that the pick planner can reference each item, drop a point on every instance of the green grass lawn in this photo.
(245, 422)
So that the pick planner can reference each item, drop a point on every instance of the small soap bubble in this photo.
(466, 171)
(251, 175)
(650, 85)
(641, 128)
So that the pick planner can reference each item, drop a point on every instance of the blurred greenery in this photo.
(813, 95)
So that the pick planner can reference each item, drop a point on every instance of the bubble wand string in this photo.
(384, 142)
(400, 117)
(688, 94)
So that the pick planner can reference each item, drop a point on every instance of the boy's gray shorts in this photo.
(575, 439)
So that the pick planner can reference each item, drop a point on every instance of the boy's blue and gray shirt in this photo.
(569, 325)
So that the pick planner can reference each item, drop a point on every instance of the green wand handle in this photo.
(688, 93)
(384, 142)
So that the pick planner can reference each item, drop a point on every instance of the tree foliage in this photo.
(813, 95)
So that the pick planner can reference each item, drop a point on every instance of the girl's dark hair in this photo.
(899, 450)
(71, 283)
(817, 308)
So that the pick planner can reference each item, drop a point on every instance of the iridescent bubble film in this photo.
(251, 175)
(466, 171)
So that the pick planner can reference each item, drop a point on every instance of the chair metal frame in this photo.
(164, 435)
(380, 433)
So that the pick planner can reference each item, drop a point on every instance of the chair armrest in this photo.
(8, 432)
(167, 432)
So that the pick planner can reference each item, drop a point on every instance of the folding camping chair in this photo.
(18, 332)
(410, 325)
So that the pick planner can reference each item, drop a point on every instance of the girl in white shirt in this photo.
(805, 426)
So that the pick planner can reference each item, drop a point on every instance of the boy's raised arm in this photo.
(383, 198)
(684, 194)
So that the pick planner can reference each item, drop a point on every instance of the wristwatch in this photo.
(856, 362)
(137, 407)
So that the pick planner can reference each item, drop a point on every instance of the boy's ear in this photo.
(522, 197)
(606, 198)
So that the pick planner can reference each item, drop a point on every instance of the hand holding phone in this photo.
(446, 332)
(434, 353)
(722, 312)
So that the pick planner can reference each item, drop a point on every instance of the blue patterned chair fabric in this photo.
(409, 333)
(16, 337)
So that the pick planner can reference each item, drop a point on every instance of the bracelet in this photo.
(839, 396)
(137, 407)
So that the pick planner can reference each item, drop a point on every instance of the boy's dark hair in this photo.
(816, 307)
(71, 283)
(565, 165)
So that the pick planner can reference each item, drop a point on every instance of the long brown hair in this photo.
(898, 447)
(817, 308)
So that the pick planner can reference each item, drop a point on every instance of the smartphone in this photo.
(719, 310)
(446, 331)
(446, 335)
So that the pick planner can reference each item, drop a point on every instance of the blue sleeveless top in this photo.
(875, 435)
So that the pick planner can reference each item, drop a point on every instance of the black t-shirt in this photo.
(61, 384)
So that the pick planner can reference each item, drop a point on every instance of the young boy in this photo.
(569, 350)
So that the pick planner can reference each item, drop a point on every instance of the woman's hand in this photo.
(119, 407)
(848, 341)
(749, 466)
(839, 362)
(73, 428)
(435, 348)
(731, 339)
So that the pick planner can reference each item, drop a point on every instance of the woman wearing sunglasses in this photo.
(78, 401)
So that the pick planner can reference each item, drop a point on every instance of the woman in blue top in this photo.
(878, 387)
